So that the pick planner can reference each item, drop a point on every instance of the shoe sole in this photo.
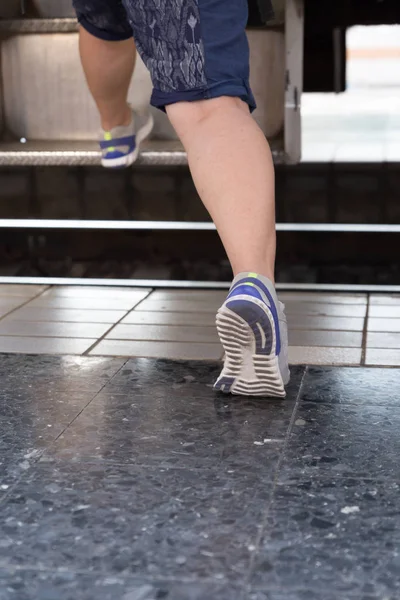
(246, 329)
(126, 161)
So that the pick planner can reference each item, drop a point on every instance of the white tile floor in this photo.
(327, 329)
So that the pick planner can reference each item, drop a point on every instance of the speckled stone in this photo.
(68, 585)
(178, 431)
(45, 373)
(352, 386)
(183, 378)
(338, 537)
(135, 521)
(344, 440)
(29, 422)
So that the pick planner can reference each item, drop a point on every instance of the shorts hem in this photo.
(232, 88)
(102, 34)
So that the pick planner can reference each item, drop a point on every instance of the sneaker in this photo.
(120, 146)
(253, 331)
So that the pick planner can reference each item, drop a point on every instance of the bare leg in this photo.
(232, 168)
(108, 67)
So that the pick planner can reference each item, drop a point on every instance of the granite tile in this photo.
(52, 329)
(348, 385)
(331, 536)
(383, 340)
(381, 357)
(320, 309)
(180, 378)
(170, 333)
(67, 315)
(170, 318)
(44, 345)
(47, 373)
(344, 440)
(156, 349)
(345, 339)
(306, 593)
(328, 323)
(319, 355)
(390, 325)
(30, 421)
(30, 584)
(178, 429)
(134, 521)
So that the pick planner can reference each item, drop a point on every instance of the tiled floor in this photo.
(130, 479)
(324, 329)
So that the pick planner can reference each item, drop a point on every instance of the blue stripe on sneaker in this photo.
(248, 290)
(129, 140)
(274, 311)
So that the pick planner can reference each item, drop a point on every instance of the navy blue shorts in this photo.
(194, 49)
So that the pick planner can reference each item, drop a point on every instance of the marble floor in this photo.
(130, 479)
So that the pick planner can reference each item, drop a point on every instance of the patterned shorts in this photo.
(194, 49)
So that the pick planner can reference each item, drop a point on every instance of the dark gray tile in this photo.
(339, 538)
(309, 594)
(341, 440)
(134, 521)
(183, 378)
(30, 421)
(46, 373)
(351, 386)
(22, 584)
(178, 430)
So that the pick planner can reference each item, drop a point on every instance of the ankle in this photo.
(118, 119)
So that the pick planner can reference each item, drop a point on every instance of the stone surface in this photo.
(133, 480)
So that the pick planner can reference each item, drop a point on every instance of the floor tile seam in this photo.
(275, 479)
(24, 304)
(101, 338)
(365, 334)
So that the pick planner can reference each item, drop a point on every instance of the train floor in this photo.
(124, 476)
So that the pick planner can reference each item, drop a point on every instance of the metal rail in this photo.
(168, 153)
(211, 285)
(17, 26)
(187, 226)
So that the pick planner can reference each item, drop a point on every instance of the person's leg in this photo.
(201, 78)
(108, 68)
(232, 168)
(108, 56)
